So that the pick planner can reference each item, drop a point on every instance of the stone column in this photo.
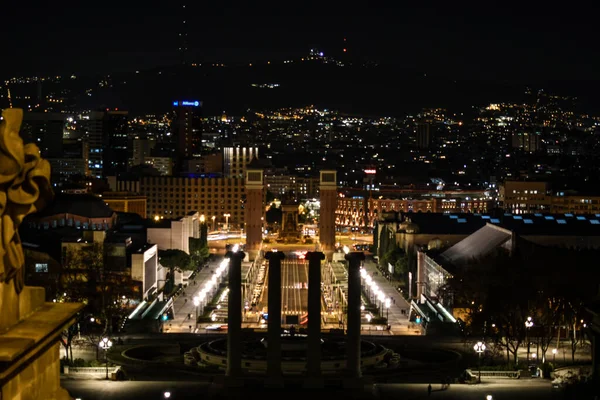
(274, 374)
(234, 315)
(314, 314)
(353, 337)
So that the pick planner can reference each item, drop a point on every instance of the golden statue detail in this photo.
(24, 189)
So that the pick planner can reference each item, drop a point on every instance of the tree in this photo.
(66, 340)
(203, 235)
(274, 215)
(174, 260)
(398, 259)
(87, 278)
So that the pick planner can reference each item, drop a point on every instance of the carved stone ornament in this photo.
(24, 189)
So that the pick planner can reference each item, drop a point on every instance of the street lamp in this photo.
(554, 351)
(528, 325)
(388, 302)
(213, 220)
(106, 344)
(227, 215)
(479, 348)
(197, 304)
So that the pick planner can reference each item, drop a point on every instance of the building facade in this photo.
(170, 197)
(175, 233)
(235, 160)
(126, 202)
(358, 211)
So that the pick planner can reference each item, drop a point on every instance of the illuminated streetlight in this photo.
(388, 303)
(202, 219)
(528, 325)
(554, 351)
(196, 304)
(106, 344)
(213, 220)
(227, 215)
(479, 348)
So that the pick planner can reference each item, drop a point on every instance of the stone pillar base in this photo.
(274, 382)
(355, 383)
(313, 382)
(223, 382)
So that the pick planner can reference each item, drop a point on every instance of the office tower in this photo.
(46, 131)
(186, 128)
(115, 142)
(235, 160)
(423, 134)
(142, 148)
(90, 126)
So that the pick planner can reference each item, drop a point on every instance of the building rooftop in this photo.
(523, 224)
(83, 205)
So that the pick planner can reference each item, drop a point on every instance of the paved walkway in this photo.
(183, 308)
(399, 308)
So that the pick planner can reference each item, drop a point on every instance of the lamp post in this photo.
(479, 348)
(227, 215)
(554, 351)
(106, 344)
(388, 303)
(213, 220)
(528, 325)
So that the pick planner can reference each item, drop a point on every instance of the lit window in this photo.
(41, 267)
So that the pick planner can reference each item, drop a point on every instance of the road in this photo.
(294, 287)
(101, 390)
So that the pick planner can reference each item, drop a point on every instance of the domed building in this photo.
(81, 211)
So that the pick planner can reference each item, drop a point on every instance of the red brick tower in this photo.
(254, 208)
(328, 198)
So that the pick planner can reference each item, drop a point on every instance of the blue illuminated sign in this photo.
(185, 103)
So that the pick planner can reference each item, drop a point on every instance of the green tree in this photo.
(203, 235)
(398, 259)
(174, 260)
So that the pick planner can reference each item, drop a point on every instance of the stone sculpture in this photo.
(24, 189)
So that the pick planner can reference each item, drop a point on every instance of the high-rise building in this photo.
(186, 128)
(115, 156)
(423, 134)
(235, 160)
(142, 148)
(529, 142)
(90, 125)
(45, 130)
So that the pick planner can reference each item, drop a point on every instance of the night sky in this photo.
(483, 43)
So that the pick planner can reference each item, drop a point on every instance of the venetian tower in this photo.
(328, 198)
(254, 214)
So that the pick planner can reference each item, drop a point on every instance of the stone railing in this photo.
(112, 371)
(474, 374)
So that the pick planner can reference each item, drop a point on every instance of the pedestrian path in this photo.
(183, 306)
(398, 312)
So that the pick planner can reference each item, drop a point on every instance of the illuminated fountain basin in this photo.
(213, 355)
